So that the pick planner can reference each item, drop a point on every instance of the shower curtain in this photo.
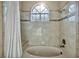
(12, 35)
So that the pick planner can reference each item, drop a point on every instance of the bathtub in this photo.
(42, 52)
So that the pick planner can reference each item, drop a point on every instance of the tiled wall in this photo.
(27, 5)
(77, 41)
(41, 33)
(68, 32)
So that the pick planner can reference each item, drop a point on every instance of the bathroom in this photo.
(44, 29)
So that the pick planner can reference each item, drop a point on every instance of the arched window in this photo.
(72, 11)
(71, 8)
(39, 12)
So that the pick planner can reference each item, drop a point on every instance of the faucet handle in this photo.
(63, 41)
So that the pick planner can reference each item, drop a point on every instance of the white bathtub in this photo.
(43, 51)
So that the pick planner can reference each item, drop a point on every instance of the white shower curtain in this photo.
(12, 35)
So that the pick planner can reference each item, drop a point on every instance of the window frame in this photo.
(40, 13)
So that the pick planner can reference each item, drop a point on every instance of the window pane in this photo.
(37, 17)
(42, 8)
(34, 11)
(42, 17)
(33, 17)
(72, 8)
(38, 8)
(45, 11)
(46, 17)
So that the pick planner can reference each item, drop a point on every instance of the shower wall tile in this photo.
(41, 33)
(69, 34)
(77, 41)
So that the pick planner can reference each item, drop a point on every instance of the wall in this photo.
(1, 29)
(68, 32)
(40, 33)
(62, 4)
(77, 41)
(27, 5)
